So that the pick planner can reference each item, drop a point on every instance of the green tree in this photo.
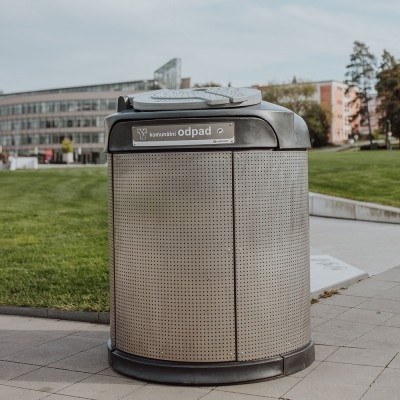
(317, 119)
(298, 97)
(66, 145)
(360, 75)
(207, 84)
(388, 88)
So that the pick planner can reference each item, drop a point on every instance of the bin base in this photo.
(184, 373)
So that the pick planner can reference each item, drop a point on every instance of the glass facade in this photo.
(37, 122)
(169, 75)
(58, 107)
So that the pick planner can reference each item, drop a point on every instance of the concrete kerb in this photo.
(82, 316)
(336, 207)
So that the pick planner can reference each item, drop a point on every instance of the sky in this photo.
(60, 43)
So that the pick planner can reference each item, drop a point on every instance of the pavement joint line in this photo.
(387, 365)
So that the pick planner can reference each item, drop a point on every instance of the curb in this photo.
(339, 285)
(322, 205)
(82, 316)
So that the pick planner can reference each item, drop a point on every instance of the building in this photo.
(36, 122)
(332, 96)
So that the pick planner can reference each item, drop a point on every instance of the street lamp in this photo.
(389, 135)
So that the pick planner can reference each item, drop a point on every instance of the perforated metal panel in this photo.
(111, 246)
(272, 252)
(173, 241)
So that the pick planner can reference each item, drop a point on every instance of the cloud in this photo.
(72, 42)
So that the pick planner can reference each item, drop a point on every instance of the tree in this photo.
(207, 84)
(298, 97)
(66, 145)
(317, 119)
(388, 88)
(360, 75)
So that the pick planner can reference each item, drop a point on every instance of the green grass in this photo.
(53, 238)
(54, 235)
(372, 176)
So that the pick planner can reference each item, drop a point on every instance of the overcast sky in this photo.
(60, 43)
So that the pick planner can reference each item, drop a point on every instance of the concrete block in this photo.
(336, 207)
(24, 311)
(104, 318)
(85, 316)
(327, 206)
(377, 213)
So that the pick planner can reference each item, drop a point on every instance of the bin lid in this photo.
(195, 99)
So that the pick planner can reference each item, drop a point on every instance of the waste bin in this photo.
(209, 237)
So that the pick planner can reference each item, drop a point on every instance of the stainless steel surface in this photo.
(188, 134)
(111, 247)
(190, 99)
(174, 272)
(272, 252)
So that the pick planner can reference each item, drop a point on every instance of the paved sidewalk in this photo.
(372, 247)
(357, 336)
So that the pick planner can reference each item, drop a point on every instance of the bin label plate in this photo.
(184, 134)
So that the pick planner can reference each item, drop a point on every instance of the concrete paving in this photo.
(357, 336)
(372, 247)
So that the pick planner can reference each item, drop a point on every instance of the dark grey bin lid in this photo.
(257, 123)
(195, 99)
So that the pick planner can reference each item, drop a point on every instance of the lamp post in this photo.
(389, 135)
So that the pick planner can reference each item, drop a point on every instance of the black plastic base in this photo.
(209, 373)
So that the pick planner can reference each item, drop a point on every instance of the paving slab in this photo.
(378, 304)
(9, 348)
(40, 355)
(381, 337)
(314, 390)
(322, 352)
(370, 246)
(376, 358)
(163, 392)
(366, 316)
(392, 275)
(10, 370)
(86, 361)
(393, 321)
(273, 388)
(386, 387)
(395, 363)
(315, 321)
(370, 287)
(331, 339)
(344, 328)
(328, 273)
(327, 311)
(381, 392)
(343, 300)
(47, 379)
(220, 395)
(14, 393)
(103, 387)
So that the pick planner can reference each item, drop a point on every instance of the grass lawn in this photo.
(372, 176)
(53, 238)
(53, 224)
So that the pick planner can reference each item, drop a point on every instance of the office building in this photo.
(36, 122)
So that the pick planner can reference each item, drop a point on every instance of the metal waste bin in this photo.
(209, 237)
